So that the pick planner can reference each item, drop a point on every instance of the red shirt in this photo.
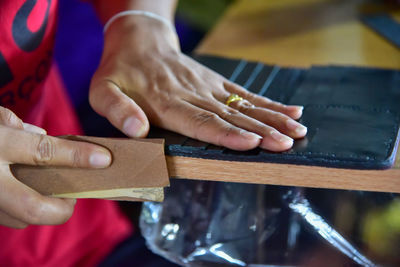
(30, 85)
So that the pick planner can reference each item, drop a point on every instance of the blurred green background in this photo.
(195, 18)
(201, 14)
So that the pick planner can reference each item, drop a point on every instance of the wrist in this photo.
(140, 33)
(106, 10)
(144, 13)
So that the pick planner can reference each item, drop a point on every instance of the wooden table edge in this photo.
(284, 174)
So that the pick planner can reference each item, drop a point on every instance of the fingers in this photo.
(21, 205)
(191, 108)
(209, 127)
(7, 220)
(24, 147)
(277, 120)
(294, 112)
(25, 143)
(108, 100)
(272, 139)
(8, 118)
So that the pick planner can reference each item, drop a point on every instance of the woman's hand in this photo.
(27, 144)
(143, 73)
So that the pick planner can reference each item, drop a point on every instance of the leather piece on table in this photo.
(352, 114)
(137, 163)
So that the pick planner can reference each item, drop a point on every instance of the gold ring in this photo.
(233, 98)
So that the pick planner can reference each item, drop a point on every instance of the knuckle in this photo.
(166, 102)
(45, 150)
(191, 75)
(187, 83)
(245, 107)
(250, 96)
(202, 118)
(76, 157)
(163, 77)
(226, 113)
(7, 117)
(115, 103)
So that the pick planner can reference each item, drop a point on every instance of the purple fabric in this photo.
(79, 43)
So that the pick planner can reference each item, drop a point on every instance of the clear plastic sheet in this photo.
(231, 224)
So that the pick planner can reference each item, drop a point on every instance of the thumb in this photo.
(108, 100)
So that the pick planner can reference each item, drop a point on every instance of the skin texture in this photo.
(25, 143)
(156, 83)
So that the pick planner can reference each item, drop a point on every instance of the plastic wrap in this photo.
(231, 224)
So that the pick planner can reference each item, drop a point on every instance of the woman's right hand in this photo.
(27, 144)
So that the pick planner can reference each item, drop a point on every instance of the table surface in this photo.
(301, 33)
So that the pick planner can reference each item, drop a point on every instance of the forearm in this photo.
(106, 8)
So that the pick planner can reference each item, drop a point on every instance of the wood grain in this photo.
(285, 174)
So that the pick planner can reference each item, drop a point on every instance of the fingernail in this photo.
(298, 109)
(295, 126)
(33, 128)
(281, 138)
(99, 159)
(250, 135)
(133, 127)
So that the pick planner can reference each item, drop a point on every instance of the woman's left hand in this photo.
(143, 77)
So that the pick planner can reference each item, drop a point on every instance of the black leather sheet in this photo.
(352, 114)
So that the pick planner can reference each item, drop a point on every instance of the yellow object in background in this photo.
(381, 230)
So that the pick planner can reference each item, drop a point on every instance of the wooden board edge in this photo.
(284, 174)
